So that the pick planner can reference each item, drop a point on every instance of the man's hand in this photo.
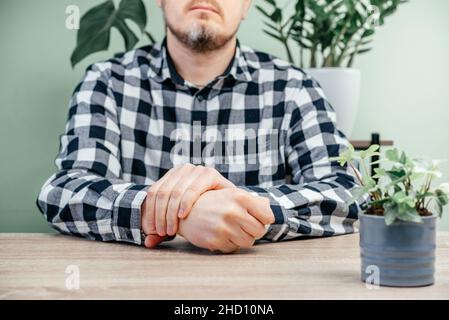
(237, 221)
(173, 196)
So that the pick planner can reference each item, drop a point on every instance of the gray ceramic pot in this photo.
(400, 255)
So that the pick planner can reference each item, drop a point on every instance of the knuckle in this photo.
(192, 189)
(161, 194)
(176, 193)
(199, 169)
(220, 232)
(265, 200)
(240, 195)
(234, 209)
(151, 194)
(183, 168)
(214, 243)
(210, 170)
(228, 215)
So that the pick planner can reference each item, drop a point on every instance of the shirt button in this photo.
(200, 98)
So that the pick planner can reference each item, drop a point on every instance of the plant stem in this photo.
(289, 53)
(352, 56)
(356, 173)
(424, 190)
(313, 56)
(346, 48)
(365, 169)
(330, 60)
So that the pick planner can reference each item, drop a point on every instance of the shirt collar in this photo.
(161, 70)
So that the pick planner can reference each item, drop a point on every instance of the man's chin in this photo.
(207, 24)
(200, 36)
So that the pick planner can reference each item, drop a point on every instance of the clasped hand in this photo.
(205, 208)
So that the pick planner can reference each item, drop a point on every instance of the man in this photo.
(120, 175)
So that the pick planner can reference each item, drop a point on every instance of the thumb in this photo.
(152, 240)
(261, 210)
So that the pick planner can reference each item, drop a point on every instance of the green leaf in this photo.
(404, 201)
(439, 209)
(444, 187)
(371, 151)
(128, 36)
(424, 195)
(398, 197)
(276, 15)
(96, 25)
(263, 11)
(273, 35)
(346, 156)
(379, 173)
(397, 176)
(392, 155)
(358, 193)
(442, 197)
(368, 182)
(134, 10)
(362, 51)
(403, 158)
(409, 215)
(390, 215)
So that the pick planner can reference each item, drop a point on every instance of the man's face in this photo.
(204, 25)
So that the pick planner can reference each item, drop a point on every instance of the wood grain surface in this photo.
(33, 266)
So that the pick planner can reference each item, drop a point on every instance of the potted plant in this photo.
(398, 226)
(329, 35)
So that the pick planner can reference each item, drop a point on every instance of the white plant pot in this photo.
(342, 89)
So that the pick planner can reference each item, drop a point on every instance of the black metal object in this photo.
(375, 139)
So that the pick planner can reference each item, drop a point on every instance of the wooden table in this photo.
(33, 266)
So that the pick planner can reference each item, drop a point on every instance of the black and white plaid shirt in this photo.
(130, 116)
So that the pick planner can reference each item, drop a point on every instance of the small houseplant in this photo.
(398, 226)
(324, 37)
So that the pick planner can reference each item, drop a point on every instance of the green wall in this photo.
(404, 93)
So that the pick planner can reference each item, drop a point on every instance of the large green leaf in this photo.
(96, 25)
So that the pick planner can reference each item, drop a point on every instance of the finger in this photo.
(259, 208)
(224, 183)
(227, 246)
(241, 238)
(151, 202)
(152, 240)
(207, 180)
(189, 176)
(162, 200)
(252, 226)
(199, 183)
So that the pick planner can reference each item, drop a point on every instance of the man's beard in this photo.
(201, 38)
